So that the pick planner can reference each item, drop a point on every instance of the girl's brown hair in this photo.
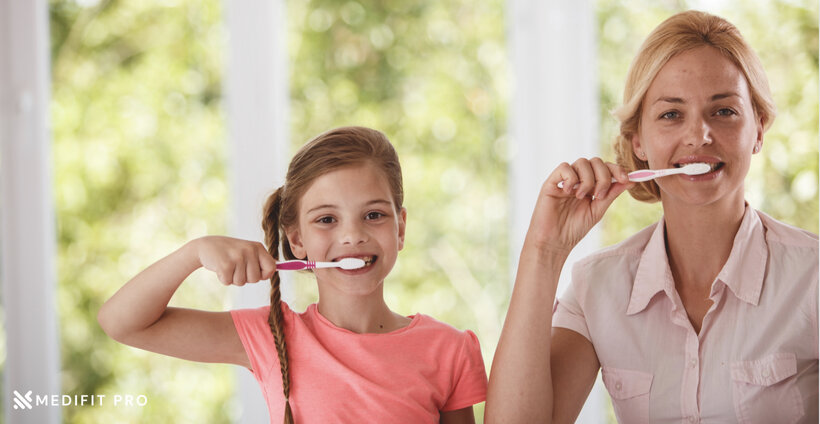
(682, 32)
(338, 148)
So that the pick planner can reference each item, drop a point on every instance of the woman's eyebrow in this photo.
(669, 100)
(725, 95)
(679, 100)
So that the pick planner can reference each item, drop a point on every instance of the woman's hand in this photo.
(235, 261)
(563, 216)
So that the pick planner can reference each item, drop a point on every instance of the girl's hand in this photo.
(563, 216)
(235, 261)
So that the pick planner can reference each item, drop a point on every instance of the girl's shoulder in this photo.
(425, 327)
(255, 320)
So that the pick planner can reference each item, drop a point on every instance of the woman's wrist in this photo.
(546, 250)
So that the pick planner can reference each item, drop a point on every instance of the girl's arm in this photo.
(138, 314)
(540, 374)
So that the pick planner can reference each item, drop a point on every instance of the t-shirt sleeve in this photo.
(254, 332)
(471, 376)
(568, 312)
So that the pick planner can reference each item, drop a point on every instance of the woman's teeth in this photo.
(712, 166)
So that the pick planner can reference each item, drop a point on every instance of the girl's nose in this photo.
(353, 234)
(700, 133)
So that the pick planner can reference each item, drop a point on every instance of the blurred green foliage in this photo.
(139, 156)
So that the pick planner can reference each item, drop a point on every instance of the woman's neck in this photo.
(360, 314)
(699, 240)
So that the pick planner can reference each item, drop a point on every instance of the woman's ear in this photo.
(295, 240)
(402, 226)
(636, 147)
(759, 141)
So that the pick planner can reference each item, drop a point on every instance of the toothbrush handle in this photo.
(561, 184)
(294, 265)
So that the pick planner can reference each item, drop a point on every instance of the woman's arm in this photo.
(540, 374)
(138, 314)
(459, 416)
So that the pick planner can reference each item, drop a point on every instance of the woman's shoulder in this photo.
(787, 235)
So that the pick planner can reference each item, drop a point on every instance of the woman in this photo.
(711, 314)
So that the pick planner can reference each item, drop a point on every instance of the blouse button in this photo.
(693, 363)
(766, 373)
(618, 386)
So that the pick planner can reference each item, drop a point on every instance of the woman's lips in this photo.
(716, 170)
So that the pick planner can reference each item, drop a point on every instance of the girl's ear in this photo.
(402, 226)
(295, 240)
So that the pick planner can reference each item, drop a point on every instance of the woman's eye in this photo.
(670, 115)
(725, 112)
(374, 215)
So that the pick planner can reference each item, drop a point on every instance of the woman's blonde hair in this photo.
(682, 32)
(338, 148)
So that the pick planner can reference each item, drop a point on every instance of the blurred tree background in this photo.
(140, 146)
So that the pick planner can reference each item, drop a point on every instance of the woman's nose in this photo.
(699, 133)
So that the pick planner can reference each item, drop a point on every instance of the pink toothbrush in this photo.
(295, 265)
(650, 174)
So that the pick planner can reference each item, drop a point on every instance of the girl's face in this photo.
(698, 109)
(349, 212)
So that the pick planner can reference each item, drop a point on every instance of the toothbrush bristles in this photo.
(351, 263)
(697, 168)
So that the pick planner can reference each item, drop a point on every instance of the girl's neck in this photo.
(699, 240)
(360, 314)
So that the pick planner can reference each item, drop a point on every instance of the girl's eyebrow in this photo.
(370, 203)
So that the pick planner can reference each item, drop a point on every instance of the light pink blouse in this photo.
(755, 359)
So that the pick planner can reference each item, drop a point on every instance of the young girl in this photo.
(348, 358)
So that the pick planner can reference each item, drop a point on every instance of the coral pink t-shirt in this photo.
(338, 376)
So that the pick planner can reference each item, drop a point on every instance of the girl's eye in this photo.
(374, 215)
(670, 115)
(325, 220)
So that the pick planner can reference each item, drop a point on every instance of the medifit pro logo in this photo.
(22, 402)
(29, 401)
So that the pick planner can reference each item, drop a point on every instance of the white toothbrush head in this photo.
(351, 263)
(696, 168)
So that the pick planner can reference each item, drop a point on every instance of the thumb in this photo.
(267, 264)
(601, 204)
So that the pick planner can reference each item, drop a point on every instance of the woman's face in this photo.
(698, 109)
(349, 212)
